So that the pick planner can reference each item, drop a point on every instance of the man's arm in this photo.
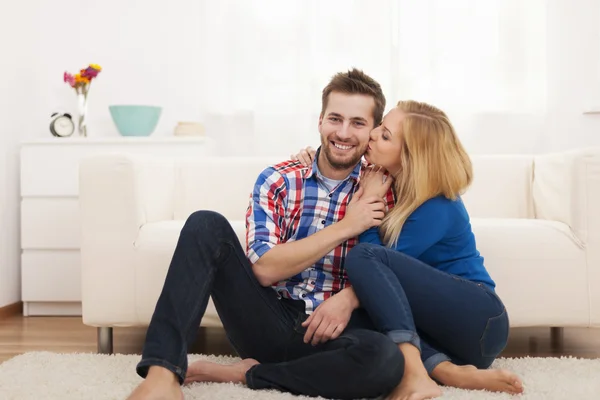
(288, 259)
(273, 259)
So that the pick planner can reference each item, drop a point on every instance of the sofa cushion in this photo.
(526, 258)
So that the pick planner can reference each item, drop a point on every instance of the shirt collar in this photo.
(314, 169)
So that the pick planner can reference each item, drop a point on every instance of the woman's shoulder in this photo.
(440, 206)
(440, 201)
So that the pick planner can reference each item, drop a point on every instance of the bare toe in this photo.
(469, 377)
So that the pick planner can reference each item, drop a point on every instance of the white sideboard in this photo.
(50, 263)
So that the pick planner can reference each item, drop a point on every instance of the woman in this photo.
(420, 276)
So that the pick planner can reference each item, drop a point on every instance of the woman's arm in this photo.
(426, 226)
(370, 236)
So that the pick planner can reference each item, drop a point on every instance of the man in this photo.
(277, 302)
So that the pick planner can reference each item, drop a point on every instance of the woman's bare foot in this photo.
(205, 371)
(160, 384)
(416, 383)
(469, 377)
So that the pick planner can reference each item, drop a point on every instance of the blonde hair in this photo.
(433, 162)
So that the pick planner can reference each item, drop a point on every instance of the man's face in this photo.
(345, 127)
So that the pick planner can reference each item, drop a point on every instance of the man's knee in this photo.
(388, 362)
(204, 220)
(385, 363)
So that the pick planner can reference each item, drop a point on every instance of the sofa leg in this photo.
(105, 340)
(557, 336)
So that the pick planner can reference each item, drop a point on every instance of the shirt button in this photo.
(330, 194)
(312, 282)
(303, 295)
(323, 222)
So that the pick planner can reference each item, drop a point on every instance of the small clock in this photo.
(62, 125)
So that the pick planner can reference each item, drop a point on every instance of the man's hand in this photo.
(330, 318)
(363, 212)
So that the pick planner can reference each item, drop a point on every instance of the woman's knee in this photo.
(359, 254)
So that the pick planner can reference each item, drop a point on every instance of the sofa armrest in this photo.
(117, 195)
(566, 188)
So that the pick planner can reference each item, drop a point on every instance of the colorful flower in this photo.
(82, 79)
(90, 73)
(70, 79)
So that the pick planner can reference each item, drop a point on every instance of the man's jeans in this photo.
(447, 317)
(209, 261)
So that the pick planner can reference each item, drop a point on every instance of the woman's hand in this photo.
(305, 156)
(375, 182)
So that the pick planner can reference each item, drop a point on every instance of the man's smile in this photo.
(343, 147)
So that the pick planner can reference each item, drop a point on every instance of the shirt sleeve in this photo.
(426, 226)
(390, 199)
(265, 217)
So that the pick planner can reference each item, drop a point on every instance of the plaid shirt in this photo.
(290, 202)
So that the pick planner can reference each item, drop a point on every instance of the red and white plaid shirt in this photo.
(290, 202)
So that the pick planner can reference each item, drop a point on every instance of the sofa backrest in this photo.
(220, 184)
(501, 187)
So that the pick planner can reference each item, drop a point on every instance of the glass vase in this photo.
(82, 102)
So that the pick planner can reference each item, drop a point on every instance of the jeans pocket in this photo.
(495, 335)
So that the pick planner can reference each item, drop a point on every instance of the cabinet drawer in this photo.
(51, 275)
(50, 223)
(52, 168)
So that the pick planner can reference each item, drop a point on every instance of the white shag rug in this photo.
(49, 376)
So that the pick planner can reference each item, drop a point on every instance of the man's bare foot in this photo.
(415, 387)
(469, 377)
(205, 371)
(160, 384)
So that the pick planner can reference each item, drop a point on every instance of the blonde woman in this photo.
(419, 275)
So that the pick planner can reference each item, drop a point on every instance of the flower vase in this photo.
(82, 110)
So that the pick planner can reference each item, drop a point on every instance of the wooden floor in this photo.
(20, 334)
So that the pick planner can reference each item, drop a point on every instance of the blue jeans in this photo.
(447, 317)
(209, 261)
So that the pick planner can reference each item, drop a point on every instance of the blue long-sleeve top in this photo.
(439, 234)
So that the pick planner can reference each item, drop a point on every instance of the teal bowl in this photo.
(135, 120)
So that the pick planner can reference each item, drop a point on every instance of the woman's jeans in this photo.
(447, 317)
(209, 261)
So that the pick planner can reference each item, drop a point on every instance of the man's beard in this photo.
(338, 164)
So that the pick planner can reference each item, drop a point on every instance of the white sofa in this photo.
(536, 219)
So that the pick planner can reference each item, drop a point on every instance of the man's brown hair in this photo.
(356, 81)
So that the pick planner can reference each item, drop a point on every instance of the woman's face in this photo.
(385, 142)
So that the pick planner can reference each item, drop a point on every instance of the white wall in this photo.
(573, 73)
(17, 102)
(151, 51)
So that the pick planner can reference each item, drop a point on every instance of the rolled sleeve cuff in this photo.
(258, 249)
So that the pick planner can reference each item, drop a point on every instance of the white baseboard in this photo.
(40, 308)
